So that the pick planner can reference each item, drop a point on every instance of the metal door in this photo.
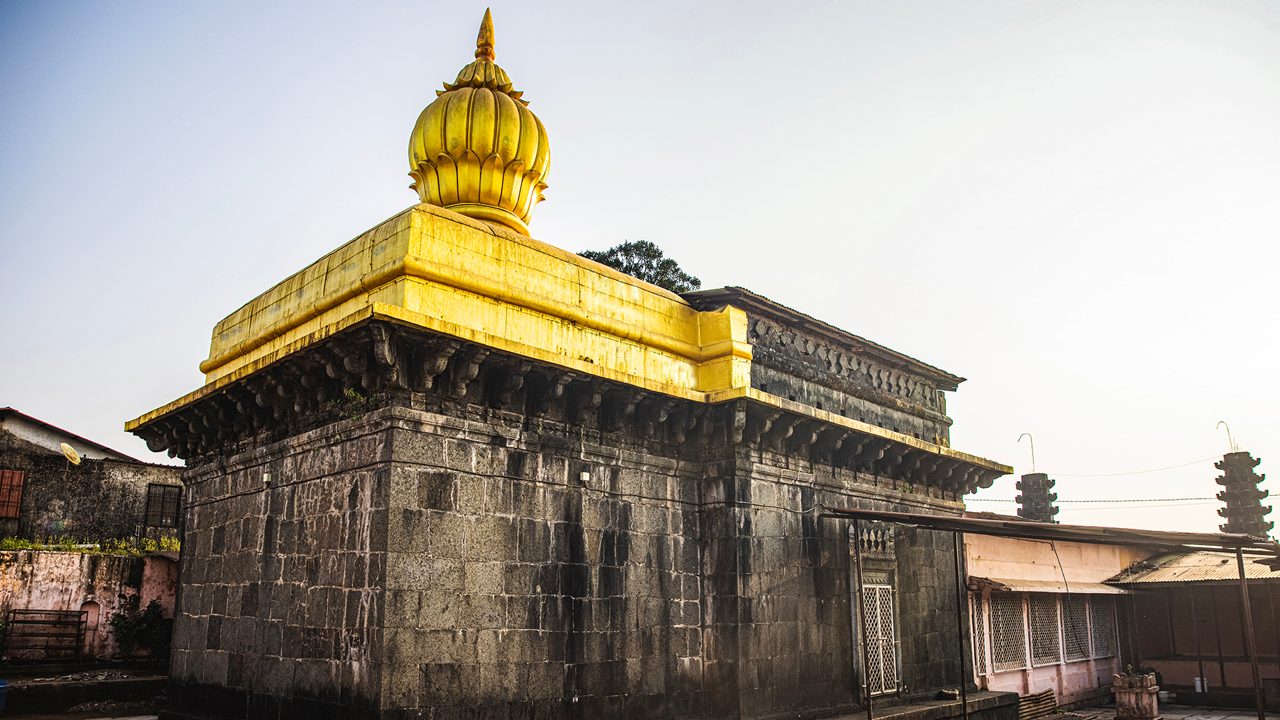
(882, 640)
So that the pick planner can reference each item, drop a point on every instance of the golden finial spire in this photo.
(477, 149)
(484, 41)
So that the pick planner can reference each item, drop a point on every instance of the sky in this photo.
(1073, 204)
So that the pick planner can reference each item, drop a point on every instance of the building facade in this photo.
(1191, 624)
(448, 468)
(1043, 617)
(106, 495)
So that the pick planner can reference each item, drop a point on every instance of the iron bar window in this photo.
(1075, 627)
(1103, 617)
(1008, 632)
(11, 493)
(1046, 645)
(163, 505)
(979, 625)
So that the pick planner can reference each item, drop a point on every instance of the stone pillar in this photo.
(1244, 511)
(1036, 502)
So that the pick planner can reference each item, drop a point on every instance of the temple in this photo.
(450, 467)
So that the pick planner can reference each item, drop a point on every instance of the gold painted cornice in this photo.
(457, 276)
(477, 149)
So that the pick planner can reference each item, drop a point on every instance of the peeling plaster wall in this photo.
(47, 580)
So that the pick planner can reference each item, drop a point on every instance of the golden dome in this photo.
(476, 149)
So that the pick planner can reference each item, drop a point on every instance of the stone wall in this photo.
(284, 561)
(426, 561)
(95, 500)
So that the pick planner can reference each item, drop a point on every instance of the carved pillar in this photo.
(1244, 511)
(1036, 502)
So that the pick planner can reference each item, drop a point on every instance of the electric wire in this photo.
(1134, 472)
(1129, 501)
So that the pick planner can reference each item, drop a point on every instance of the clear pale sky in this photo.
(1074, 204)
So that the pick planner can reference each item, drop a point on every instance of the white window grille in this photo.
(1046, 646)
(882, 646)
(1104, 626)
(1008, 632)
(978, 623)
(1075, 627)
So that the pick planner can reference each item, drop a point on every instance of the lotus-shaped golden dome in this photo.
(477, 149)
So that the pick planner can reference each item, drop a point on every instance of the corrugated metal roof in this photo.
(1162, 539)
(1204, 566)
(1042, 586)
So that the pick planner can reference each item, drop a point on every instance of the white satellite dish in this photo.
(71, 453)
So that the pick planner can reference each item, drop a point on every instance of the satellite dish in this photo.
(71, 453)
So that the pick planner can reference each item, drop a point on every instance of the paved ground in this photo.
(121, 711)
(1170, 712)
(78, 716)
(1173, 712)
(1183, 712)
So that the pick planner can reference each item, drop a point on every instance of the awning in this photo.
(1042, 586)
(1068, 533)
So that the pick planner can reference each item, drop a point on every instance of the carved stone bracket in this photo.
(340, 376)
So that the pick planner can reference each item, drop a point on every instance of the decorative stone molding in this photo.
(340, 377)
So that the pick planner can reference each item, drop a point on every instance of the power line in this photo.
(1132, 501)
(1137, 472)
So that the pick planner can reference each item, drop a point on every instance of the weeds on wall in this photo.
(352, 404)
(130, 546)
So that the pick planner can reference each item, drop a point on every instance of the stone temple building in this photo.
(449, 469)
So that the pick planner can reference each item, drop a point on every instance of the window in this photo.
(881, 639)
(1056, 628)
(1046, 647)
(1104, 627)
(979, 625)
(1075, 627)
(11, 493)
(1008, 632)
(163, 503)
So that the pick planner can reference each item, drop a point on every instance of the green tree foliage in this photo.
(644, 260)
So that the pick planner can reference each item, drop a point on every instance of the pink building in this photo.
(1042, 617)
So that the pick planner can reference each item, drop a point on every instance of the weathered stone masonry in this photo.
(449, 470)
(512, 540)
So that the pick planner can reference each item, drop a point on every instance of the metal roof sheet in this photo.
(1044, 586)
(1204, 566)
(1162, 539)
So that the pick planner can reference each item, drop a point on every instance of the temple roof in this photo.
(759, 304)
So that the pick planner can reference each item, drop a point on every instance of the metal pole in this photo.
(1271, 602)
(1195, 627)
(1248, 636)
(862, 615)
(957, 543)
(1217, 633)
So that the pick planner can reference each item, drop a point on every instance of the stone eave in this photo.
(839, 421)
(270, 390)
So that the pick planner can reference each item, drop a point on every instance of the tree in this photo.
(644, 260)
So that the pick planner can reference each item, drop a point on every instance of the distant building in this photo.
(107, 495)
(1191, 626)
(1042, 617)
(58, 603)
